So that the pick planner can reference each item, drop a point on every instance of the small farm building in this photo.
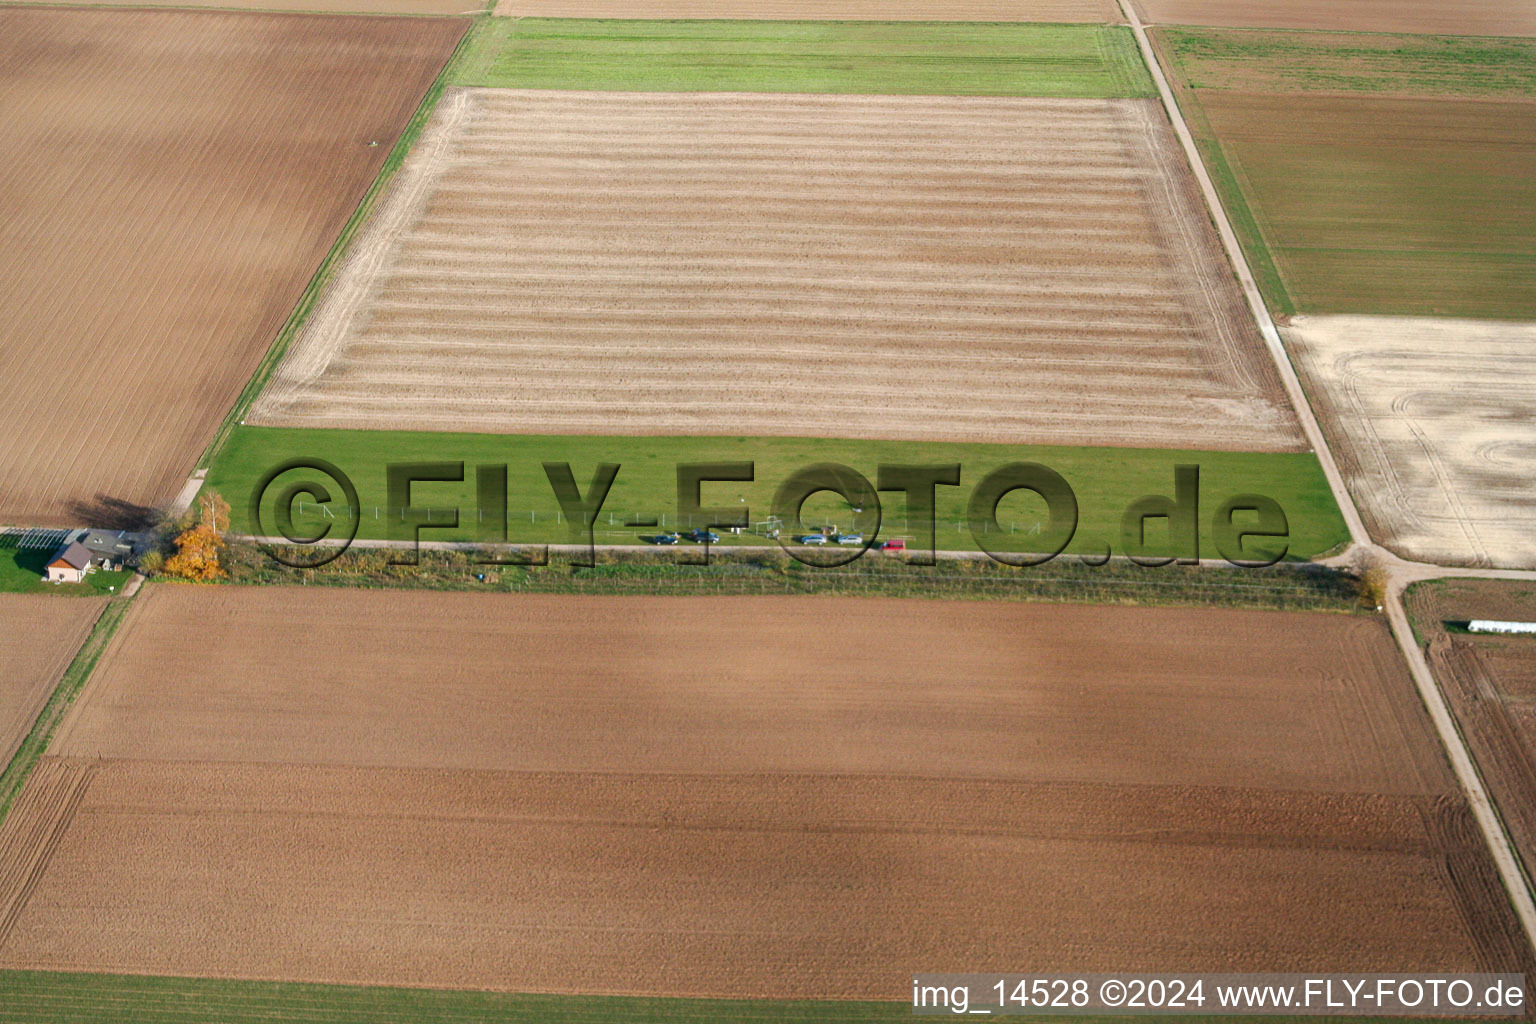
(70, 564)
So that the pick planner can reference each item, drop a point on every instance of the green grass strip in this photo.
(31, 750)
(928, 58)
(37, 997)
(329, 265)
(1105, 480)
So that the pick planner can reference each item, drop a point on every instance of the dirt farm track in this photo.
(895, 267)
(467, 790)
(172, 180)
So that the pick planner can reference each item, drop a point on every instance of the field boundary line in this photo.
(339, 249)
(1489, 822)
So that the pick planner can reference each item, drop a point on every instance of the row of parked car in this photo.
(711, 537)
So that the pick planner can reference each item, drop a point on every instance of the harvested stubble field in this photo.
(468, 791)
(981, 269)
(174, 179)
(1417, 204)
(1491, 684)
(38, 638)
(1434, 427)
(1464, 17)
(850, 10)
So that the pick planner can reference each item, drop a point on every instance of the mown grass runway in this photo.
(1104, 480)
(939, 58)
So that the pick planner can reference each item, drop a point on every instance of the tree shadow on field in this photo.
(108, 513)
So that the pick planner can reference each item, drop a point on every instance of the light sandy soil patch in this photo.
(990, 269)
(799, 10)
(38, 638)
(172, 181)
(1443, 17)
(1433, 423)
(442, 680)
(761, 798)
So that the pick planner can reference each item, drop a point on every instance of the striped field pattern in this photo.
(939, 268)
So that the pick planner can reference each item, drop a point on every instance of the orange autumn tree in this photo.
(199, 544)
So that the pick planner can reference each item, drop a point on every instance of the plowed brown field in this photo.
(1443, 17)
(903, 267)
(799, 10)
(763, 685)
(38, 638)
(1491, 683)
(760, 798)
(172, 180)
(774, 886)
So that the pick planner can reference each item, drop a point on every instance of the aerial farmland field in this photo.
(38, 637)
(766, 807)
(1401, 183)
(171, 188)
(992, 269)
(1434, 426)
(1491, 682)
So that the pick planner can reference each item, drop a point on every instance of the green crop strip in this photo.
(929, 58)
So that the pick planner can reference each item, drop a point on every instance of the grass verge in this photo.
(931, 58)
(1105, 481)
(31, 749)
